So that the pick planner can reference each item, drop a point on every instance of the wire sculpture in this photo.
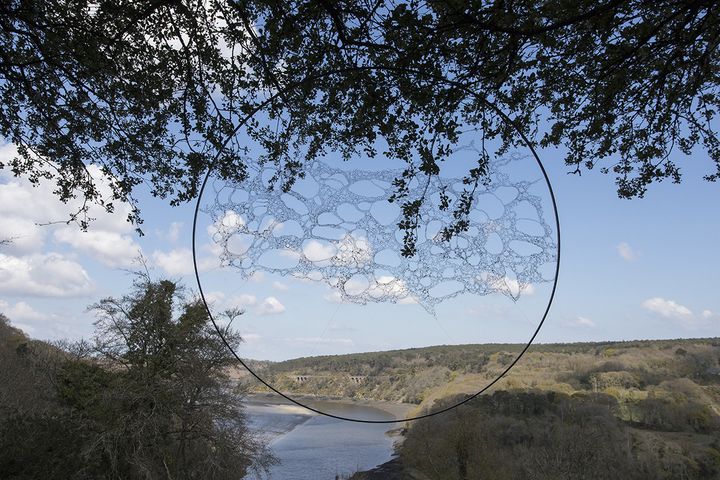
(336, 226)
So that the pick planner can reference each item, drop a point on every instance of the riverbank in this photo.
(327, 404)
(392, 470)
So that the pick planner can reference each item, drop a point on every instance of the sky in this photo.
(630, 269)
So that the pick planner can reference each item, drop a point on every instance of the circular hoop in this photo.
(311, 78)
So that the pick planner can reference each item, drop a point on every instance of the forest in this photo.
(549, 435)
(146, 397)
(612, 410)
(154, 393)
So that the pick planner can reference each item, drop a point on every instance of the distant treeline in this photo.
(594, 411)
(465, 355)
(425, 374)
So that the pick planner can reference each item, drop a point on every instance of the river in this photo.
(316, 447)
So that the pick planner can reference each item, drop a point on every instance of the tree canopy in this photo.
(148, 397)
(155, 92)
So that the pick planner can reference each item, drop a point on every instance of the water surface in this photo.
(316, 447)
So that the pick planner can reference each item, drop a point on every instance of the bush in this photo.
(148, 398)
(520, 435)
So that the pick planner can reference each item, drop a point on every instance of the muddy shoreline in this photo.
(398, 410)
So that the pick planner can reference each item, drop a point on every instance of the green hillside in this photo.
(612, 410)
(629, 371)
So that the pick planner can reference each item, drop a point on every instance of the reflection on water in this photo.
(316, 447)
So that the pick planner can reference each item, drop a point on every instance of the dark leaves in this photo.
(155, 93)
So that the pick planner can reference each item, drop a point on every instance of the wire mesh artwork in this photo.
(337, 226)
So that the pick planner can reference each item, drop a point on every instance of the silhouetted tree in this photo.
(148, 398)
(154, 91)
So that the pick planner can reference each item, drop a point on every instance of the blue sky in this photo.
(631, 269)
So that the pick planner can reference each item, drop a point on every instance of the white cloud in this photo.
(354, 250)
(626, 252)
(510, 286)
(178, 261)
(39, 325)
(395, 285)
(27, 329)
(353, 287)
(316, 251)
(24, 235)
(385, 287)
(244, 300)
(210, 261)
(270, 306)
(667, 308)
(357, 285)
(20, 312)
(409, 300)
(251, 337)
(583, 322)
(221, 302)
(680, 313)
(21, 199)
(215, 298)
(110, 248)
(334, 297)
(257, 277)
(394, 288)
(173, 232)
(43, 275)
(230, 222)
(30, 212)
(280, 286)
(229, 225)
(287, 253)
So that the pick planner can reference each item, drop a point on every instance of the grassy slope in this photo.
(667, 392)
(627, 370)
